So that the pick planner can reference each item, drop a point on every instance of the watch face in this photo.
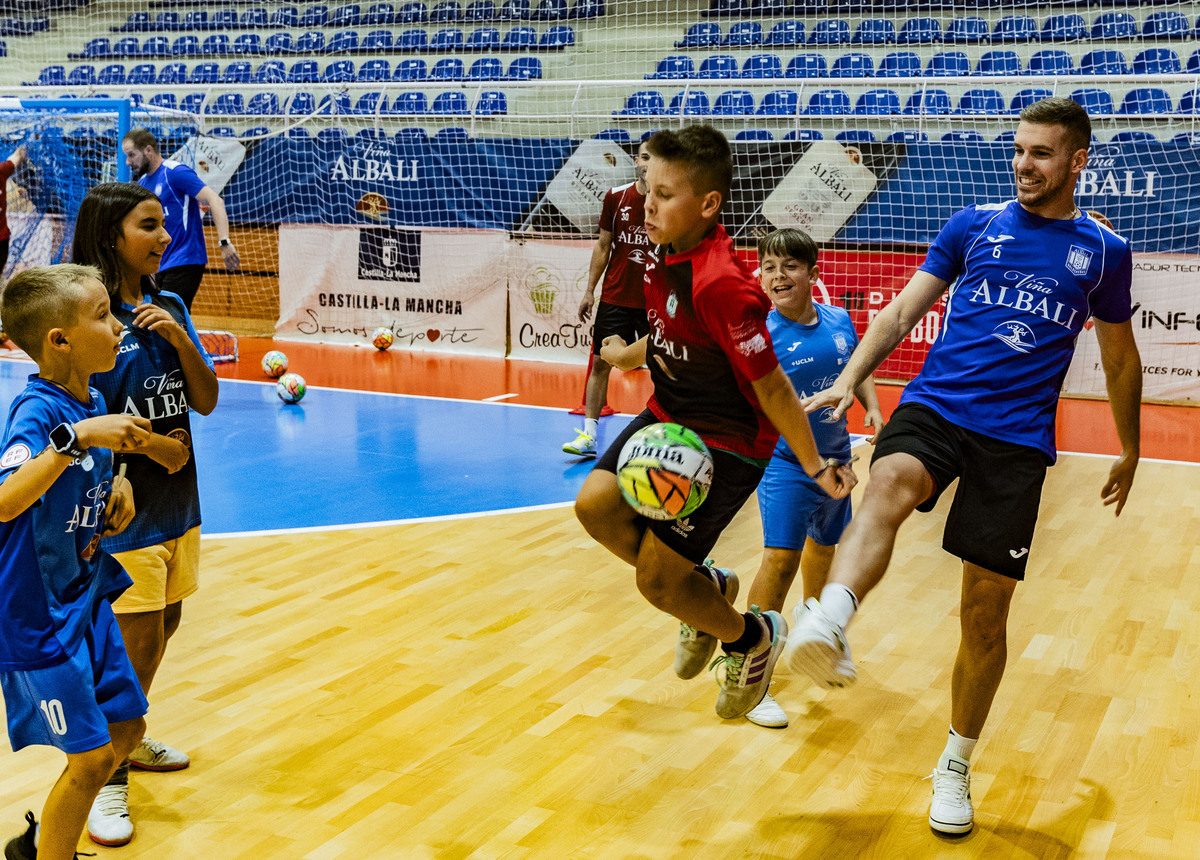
(62, 438)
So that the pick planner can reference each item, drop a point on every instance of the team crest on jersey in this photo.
(637, 256)
(1016, 335)
(15, 456)
(1078, 260)
(839, 340)
(672, 304)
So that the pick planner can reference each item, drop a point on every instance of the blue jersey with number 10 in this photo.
(1025, 287)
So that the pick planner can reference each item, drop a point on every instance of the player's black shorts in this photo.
(183, 281)
(995, 509)
(629, 323)
(3, 255)
(694, 536)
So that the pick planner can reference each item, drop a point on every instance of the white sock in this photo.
(37, 835)
(591, 426)
(957, 747)
(839, 603)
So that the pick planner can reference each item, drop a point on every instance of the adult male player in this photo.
(1024, 277)
(181, 192)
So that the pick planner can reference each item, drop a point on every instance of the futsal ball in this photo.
(664, 471)
(291, 388)
(274, 364)
(382, 338)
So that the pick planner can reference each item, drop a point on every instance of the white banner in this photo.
(437, 290)
(578, 190)
(1166, 325)
(546, 283)
(213, 158)
(821, 191)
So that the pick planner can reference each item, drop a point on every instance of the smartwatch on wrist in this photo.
(224, 243)
(64, 441)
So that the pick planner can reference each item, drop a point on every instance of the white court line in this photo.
(498, 397)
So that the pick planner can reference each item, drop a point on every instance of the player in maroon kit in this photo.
(619, 255)
(7, 168)
(714, 371)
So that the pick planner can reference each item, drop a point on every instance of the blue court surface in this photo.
(340, 458)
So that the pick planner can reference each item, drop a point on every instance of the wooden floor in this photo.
(496, 688)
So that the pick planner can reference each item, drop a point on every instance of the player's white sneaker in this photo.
(695, 648)
(950, 808)
(109, 822)
(746, 677)
(583, 446)
(157, 756)
(817, 647)
(768, 713)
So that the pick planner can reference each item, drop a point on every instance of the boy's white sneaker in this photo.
(157, 756)
(950, 808)
(817, 647)
(768, 713)
(109, 822)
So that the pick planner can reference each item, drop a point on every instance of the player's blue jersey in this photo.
(147, 382)
(812, 356)
(53, 572)
(1025, 287)
(177, 186)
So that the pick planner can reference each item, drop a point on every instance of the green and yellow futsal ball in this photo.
(664, 471)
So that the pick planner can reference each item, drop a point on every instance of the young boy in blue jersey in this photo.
(66, 679)
(1024, 276)
(162, 373)
(801, 522)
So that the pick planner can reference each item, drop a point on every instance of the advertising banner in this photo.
(577, 192)
(436, 290)
(215, 159)
(546, 283)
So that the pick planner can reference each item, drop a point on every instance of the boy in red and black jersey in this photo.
(715, 372)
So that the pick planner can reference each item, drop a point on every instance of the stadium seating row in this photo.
(1062, 27)
(23, 26)
(776, 8)
(855, 135)
(884, 102)
(454, 103)
(303, 71)
(904, 64)
(352, 15)
(447, 40)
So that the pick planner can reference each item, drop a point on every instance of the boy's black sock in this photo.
(751, 637)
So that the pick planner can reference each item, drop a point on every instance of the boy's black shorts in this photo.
(995, 509)
(694, 536)
(629, 323)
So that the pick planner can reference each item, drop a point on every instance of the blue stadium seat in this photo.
(285, 16)
(874, 31)
(743, 34)
(222, 131)
(172, 73)
(112, 75)
(371, 103)
(1105, 61)
(643, 103)
(754, 134)
(263, 104)
(519, 39)
(380, 15)
(156, 46)
(1157, 61)
(1015, 28)
(450, 135)
(410, 103)
(332, 135)
(621, 135)
(255, 132)
(762, 66)
(343, 42)
(304, 72)
(412, 12)
(1051, 61)
(919, 31)
(166, 21)
(142, 74)
(855, 135)
(301, 104)
(227, 104)
(1006, 136)
(197, 19)
(779, 103)
(550, 10)
(254, 19)
(830, 31)
(408, 70)
(981, 102)
(1133, 136)
(966, 135)
(691, 103)
(524, 69)
(271, 72)
(337, 104)
(314, 16)
(584, 9)
(703, 35)
(1095, 101)
(137, 22)
(828, 103)
(968, 30)
(237, 72)
(718, 66)
(278, 43)
(673, 68)
(450, 103)
(411, 135)
(376, 71)
(807, 66)
(803, 134)
(224, 19)
(880, 102)
(97, 48)
(1063, 27)
(900, 64)
(216, 45)
(82, 76)
(724, 9)
(446, 12)
(247, 43)
(1170, 24)
(164, 100)
(734, 103)
(1145, 100)
(418, 40)
(448, 69)
(772, 8)
(52, 76)
(185, 46)
(948, 64)
(1114, 25)
(785, 34)
(127, 47)
(480, 10)
(1026, 97)
(378, 42)
(491, 103)
(309, 42)
(928, 102)
(339, 72)
(205, 73)
(852, 66)
(1189, 102)
(347, 15)
(483, 39)
(907, 136)
(1006, 63)
(486, 69)
(1186, 138)
(514, 10)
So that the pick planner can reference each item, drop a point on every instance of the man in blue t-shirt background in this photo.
(182, 193)
(1023, 277)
